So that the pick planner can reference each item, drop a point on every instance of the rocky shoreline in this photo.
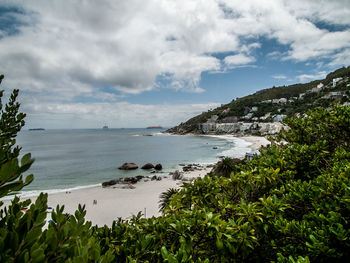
(129, 182)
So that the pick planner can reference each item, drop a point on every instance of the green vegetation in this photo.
(241, 106)
(291, 203)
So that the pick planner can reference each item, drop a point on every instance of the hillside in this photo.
(274, 104)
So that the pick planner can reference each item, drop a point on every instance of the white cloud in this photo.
(309, 77)
(279, 77)
(66, 51)
(115, 114)
(238, 60)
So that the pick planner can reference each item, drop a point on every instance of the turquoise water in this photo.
(66, 159)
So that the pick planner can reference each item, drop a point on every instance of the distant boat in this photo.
(105, 127)
(37, 129)
(154, 127)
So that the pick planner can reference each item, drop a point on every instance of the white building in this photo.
(335, 81)
(279, 118)
(279, 101)
(213, 119)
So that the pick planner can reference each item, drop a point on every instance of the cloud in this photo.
(115, 114)
(279, 77)
(308, 77)
(238, 60)
(125, 45)
(64, 52)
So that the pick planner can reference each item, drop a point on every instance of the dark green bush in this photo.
(289, 204)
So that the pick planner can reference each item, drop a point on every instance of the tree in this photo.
(11, 171)
(22, 234)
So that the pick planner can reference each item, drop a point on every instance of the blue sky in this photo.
(83, 64)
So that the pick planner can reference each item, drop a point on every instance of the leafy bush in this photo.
(23, 237)
(289, 204)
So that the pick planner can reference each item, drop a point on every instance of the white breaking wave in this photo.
(240, 148)
(27, 194)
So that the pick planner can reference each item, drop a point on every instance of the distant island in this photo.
(154, 127)
(105, 127)
(37, 129)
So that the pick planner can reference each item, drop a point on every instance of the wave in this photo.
(33, 193)
(239, 149)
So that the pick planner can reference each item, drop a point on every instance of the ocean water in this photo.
(68, 159)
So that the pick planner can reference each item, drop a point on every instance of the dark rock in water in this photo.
(159, 178)
(215, 147)
(147, 166)
(158, 167)
(128, 166)
(153, 172)
(109, 183)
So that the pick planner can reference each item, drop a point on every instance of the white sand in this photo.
(256, 141)
(115, 202)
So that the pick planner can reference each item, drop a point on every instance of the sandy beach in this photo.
(113, 202)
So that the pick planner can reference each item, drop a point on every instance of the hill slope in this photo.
(271, 105)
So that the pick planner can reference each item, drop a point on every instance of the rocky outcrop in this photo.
(158, 167)
(128, 166)
(242, 128)
(111, 182)
(147, 166)
(126, 180)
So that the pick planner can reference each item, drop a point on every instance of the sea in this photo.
(71, 159)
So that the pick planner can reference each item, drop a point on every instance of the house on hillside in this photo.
(279, 101)
(254, 109)
(318, 89)
(267, 115)
(248, 116)
(279, 118)
(335, 81)
(230, 119)
(213, 119)
(332, 95)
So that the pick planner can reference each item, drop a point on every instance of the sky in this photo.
(136, 63)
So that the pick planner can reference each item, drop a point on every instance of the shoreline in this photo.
(113, 202)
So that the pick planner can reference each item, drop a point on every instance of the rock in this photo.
(158, 167)
(176, 175)
(153, 172)
(132, 180)
(109, 183)
(187, 168)
(128, 166)
(159, 178)
(154, 178)
(139, 177)
(215, 147)
(147, 166)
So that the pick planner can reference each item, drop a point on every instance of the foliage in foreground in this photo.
(290, 204)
